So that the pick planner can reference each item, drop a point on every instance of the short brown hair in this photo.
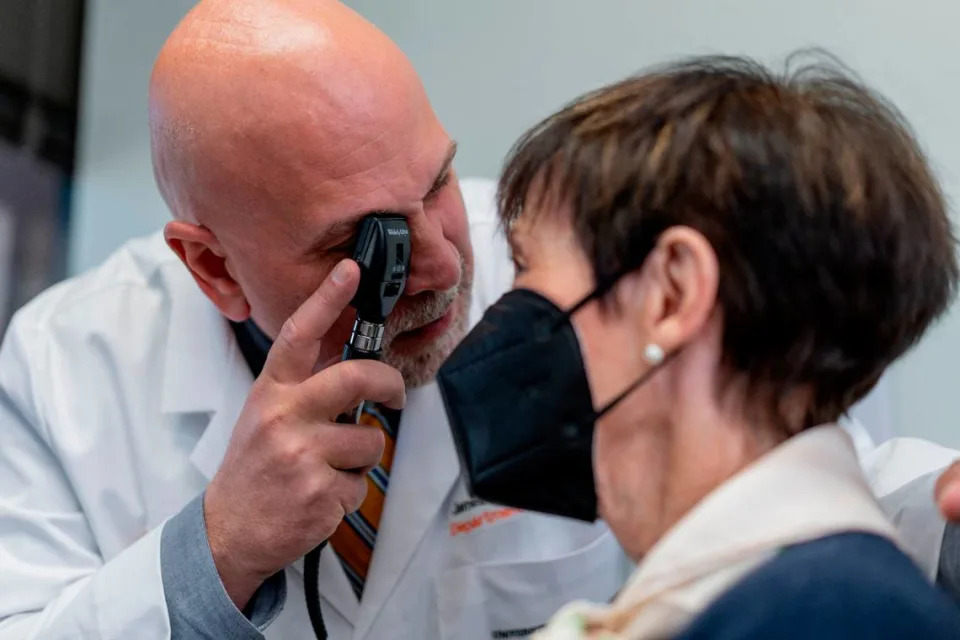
(833, 239)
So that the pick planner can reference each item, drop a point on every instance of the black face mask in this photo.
(519, 404)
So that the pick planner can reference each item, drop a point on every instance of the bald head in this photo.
(276, 126)
(242, 86)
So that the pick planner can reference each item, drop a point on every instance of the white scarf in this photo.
(809, 487)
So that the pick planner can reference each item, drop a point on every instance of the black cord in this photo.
(311, 588)
(311, 562)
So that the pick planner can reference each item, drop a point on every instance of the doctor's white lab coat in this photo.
(118, 393)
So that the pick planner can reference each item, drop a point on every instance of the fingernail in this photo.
(341, 271)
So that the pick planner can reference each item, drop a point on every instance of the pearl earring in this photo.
(653, 354)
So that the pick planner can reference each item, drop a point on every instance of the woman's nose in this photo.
(435, 263)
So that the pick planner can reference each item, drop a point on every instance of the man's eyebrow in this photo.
(444, 172)
(342, 230)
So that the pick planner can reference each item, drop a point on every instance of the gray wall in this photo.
(493, 67)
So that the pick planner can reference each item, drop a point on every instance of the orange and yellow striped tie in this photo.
(354, 539)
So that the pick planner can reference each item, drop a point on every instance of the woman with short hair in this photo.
(714, 263)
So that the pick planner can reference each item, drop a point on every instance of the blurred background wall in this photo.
(493, 68)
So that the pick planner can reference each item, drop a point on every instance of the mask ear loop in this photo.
(633, 386)
(598, 292)
(603, 286)
(653, 353)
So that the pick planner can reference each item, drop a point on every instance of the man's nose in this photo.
(434, 260)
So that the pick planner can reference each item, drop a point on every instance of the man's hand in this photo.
(948, 492)
(291, 473)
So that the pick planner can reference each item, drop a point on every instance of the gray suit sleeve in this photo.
(197, 603)
(948, 572)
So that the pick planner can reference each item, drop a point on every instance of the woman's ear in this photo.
(675, 293)
(204, 257)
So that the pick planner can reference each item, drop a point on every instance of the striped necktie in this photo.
(354, 539)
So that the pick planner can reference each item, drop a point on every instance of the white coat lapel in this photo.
(204, 371)
(425, 467)
(236, 381)
(198, 346)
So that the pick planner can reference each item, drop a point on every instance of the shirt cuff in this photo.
(920, 526)
(197, 603)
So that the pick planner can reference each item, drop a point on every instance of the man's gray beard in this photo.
(420, 368)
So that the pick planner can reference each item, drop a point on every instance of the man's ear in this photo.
(675, 293)
(204, 257)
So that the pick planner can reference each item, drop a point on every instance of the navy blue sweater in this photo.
(850, 585)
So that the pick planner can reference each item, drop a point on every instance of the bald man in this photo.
(169, 441)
